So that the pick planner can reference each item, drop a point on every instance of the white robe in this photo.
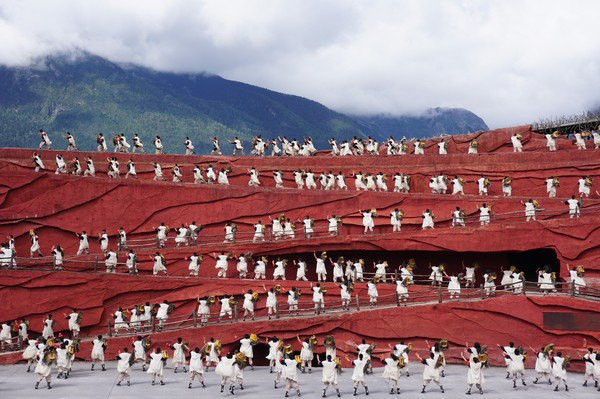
(557, 368)
(430, 372)
(427, 220)
(330, 373)
(178, 353)
(390, 370)
(225, 367)
(196, 365)
(156, 364)
(475, 374)
(123, 363)
(358, 374)
(98, 350)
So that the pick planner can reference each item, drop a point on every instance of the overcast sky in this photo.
(508, 61)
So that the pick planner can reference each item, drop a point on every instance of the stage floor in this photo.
(83, 383)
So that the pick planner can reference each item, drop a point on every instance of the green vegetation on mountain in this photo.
(88, 95)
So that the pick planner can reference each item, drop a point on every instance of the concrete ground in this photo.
(83, 383)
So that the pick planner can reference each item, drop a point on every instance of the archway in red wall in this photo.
(527, 261)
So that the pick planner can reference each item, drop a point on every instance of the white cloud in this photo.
(508, 61)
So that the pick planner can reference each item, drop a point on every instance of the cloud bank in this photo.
(508, 61)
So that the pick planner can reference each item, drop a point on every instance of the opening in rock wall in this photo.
(527, 261)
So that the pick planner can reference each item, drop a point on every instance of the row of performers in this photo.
(352, 270)
(284, 363)
(282, 227)
(308, 179)
(284, 146)
(20, 328)
(141, 316)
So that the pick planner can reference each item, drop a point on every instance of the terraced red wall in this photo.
(59, 206)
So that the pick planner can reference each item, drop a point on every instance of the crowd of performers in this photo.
(306, 179)
(282, 146)
(146, 317)
(48, 352)
(281, 228)
(257, 268)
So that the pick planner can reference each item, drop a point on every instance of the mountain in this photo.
(87, 94)
(434, 121)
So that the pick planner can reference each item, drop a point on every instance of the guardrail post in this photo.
(195, 315)
(397, 299)
(277, 310)
(357, 303)
(96, 264)
(109, 329)
(572, 288)
(153, 322)
(13, 260)
(439, 294)
(235, 310)
(482, 292)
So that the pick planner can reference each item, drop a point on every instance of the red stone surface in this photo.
(59, 206)
(491, 322)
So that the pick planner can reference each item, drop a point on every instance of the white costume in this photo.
(48, 330)
(516, 143)
(123, 366)
(279, 271)
(156, 366)
(543, 366)
(584, 189)
(579, 141)
(358, 373)
(484, 215)
(159, 265)
(98, 351)
(483, 190)
(260, 270)
(222, 266)
(427, 221)
(457, 187)
(368, 222)
(475, 374)
(573, 207)
(550, 142)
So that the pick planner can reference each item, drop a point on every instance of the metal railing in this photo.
(237, 237)
(227, 242)
(426, 294)
(306, 308)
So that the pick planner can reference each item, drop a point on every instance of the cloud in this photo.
(509, 61)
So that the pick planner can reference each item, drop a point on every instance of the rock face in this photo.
(58, 206)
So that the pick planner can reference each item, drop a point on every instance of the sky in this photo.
(510, 62)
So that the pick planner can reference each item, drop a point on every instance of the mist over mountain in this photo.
(434, 121)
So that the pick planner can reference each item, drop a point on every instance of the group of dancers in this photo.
(306, 179)
(281, 228)
(146, 317)
(286, 147)
(288, 364)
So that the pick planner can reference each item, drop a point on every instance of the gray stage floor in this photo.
(83, 383)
